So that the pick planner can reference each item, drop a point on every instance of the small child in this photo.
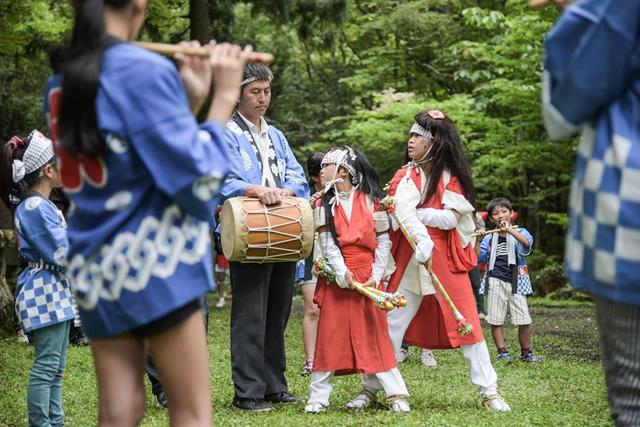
(221, 263)
(308, 284)
(44, 304)
(352, 331)
(507, 279)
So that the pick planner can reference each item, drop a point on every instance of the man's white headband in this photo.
(252, 79)
(38, 153)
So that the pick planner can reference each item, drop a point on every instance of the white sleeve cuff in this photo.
(443, 219)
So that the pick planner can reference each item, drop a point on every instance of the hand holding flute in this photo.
(197, 50)
(224, 67)
(481, 233)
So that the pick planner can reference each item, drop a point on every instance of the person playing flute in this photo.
(144, 179)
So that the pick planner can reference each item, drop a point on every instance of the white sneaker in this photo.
(402, 355)
(364, 399)
(428, 359)
(22, 337)
(314, 408)
(398, 404)
(220, 303)
(496, 403)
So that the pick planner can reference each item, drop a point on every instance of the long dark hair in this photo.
(369, 184)
(314, 166)
(11, 193)
(80, 65)
(447, 152)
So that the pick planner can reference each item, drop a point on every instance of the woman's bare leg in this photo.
(310, 321)
(181, 357)
(119, 364)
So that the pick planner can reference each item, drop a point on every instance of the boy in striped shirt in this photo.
(507, 279)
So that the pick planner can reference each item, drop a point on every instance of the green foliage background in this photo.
(356, 72)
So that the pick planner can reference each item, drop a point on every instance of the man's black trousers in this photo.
(260, 308)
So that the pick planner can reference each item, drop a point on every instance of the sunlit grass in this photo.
(566, 390)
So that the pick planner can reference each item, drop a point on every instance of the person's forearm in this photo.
(253, 190)
(221, 107)
(519, 237)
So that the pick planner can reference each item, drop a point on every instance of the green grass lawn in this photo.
(566, 390)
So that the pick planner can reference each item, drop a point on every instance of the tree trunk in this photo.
(7, 328)
(199, 20)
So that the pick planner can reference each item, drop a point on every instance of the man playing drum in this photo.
(263, 166)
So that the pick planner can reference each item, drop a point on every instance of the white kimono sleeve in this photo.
(334, 256)
(443, 219)
(381, 257)
(407, 198)
(466, 225)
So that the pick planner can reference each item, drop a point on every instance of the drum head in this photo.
(231, 238)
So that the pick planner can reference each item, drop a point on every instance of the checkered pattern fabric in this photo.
(584, 90)
(603, 243)
(44, 301)
(524, 287)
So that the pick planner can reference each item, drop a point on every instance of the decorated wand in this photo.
(463, 327)
(383, 300)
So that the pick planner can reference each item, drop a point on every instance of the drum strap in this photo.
(273, 165)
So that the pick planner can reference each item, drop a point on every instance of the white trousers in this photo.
(390, 381)
(476, 355)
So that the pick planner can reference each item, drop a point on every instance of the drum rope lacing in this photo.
(281, 252)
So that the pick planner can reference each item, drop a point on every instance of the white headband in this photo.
(339, 157)
(251, 79)
(419, 130)
(38, 153)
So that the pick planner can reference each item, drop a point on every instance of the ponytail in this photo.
(80, 65)
(370, 184)
(328, 211)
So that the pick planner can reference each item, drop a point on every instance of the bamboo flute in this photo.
(172, 49)
(495, 230)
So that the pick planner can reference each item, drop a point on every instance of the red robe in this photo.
(352, 331)
(434, 325)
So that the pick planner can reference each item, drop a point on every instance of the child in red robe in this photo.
(434, 200)
(352, 331)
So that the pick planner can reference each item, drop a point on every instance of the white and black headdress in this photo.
(39, 152)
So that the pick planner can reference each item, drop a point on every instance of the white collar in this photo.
(264, 127)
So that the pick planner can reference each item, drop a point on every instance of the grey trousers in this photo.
(260, 308)
(619, 326)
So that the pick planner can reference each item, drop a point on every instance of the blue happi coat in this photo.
(592, 83)
(246, 166)
(523, 285)
(43, 296)
(139, 223)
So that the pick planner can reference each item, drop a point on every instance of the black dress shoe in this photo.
(282, 397)
(161, 400)
(253, 405)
